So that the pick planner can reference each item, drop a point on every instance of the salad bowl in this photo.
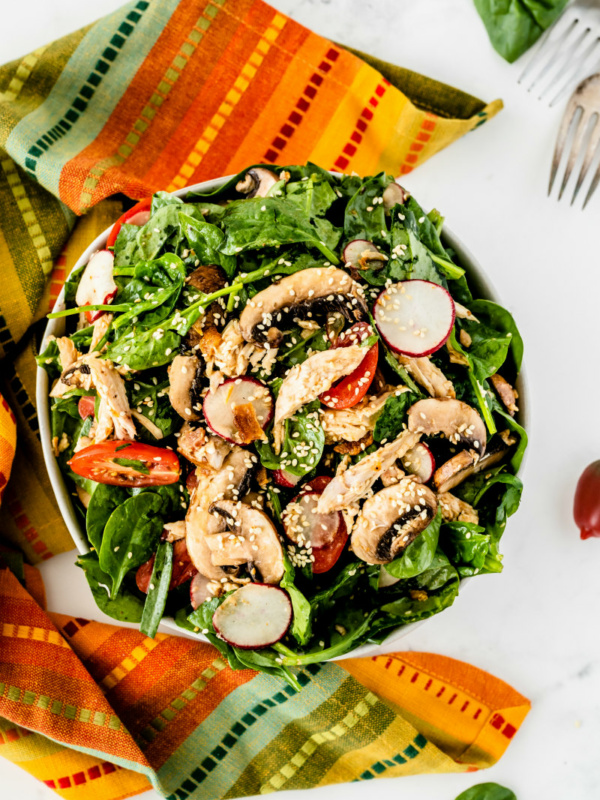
(478, 281)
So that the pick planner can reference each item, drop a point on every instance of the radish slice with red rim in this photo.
(362, 254)
(97, 286)
(220, 403)
(255, 615)
(304, 526)
(414, 317)
(284, 478)
(419, 461)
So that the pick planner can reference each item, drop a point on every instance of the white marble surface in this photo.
(536, 624)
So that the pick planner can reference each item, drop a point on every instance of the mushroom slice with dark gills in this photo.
(305, 382)
(313, 292)
(185, 386)
(349, 486)
(257, 182)
(467, 462)
(391, 520)
(78, 375)
(459, 423)
(252, 540)
(231, 482)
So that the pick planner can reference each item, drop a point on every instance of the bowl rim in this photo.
(477, 278)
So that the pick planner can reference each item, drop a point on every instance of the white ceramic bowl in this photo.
(478, 281)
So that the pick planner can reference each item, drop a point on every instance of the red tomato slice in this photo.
(86, 406)
(141, 464)
(138, 215)
(327, 535)
(183, 569)
(350, 390)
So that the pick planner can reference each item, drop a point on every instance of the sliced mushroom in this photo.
(427, 375)
(348, 487)
(185, 386)
(455, 509)
(467, 462)
(393, 195)
(77, 376)
(506, 393)
(253, 541)
(257, 182)
(232, 481)
(307, 293)
(391, 520)
(207, 278)
(459, 423)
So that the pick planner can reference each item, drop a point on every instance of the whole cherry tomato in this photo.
(586, 508)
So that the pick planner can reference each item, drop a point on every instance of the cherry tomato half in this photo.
(86, 406)
(350, 390)
(138, 215)
(327, 535)
(183, 569)
(122, 463)
(586, 508)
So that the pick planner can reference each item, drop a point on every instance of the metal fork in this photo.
(580, 125)
(569, 50)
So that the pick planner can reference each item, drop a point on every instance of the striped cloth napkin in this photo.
(157, 96)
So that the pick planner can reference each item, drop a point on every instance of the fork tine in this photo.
(562, 60)
(579, 133)
(570, 77)
(549, 53)
(565, 126)
(592, 145)
(593, 187)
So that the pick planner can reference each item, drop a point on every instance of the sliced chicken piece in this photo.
(206, 451)
(427, 375)
(455, 509)
(305, 382)
(185, 386)
(111, 388)
(101, 325)
(174, 531)
(455, 356)
(506, 393)
(463, 313)
(253, 541)
(102, 427)
(67, 351)
(391, 520)
(231, 482)
(353, 424)
(233, 353)
(392, 475)
(355, 482)
(354, 448)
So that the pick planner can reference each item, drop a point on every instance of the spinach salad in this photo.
(286, 421)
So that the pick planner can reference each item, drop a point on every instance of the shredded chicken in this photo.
(174, 531)
(207, 452)
(455, 356)
(247, 424)
(306, 381)
(430, 377)
(455, 509)
(353, 424)
(101, 325)
(232, 354)
(355, 482)
(111, 389)
(67, 351)
(392, 475)
(506, 393)
(463, 313)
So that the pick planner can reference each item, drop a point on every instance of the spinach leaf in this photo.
(268, 222)
(429, 593)
(484, 397)
(161, 199)
(496, 495)
(419, 554)
(410, 259)
(301, 622)
(150, 239)
(133, 463)
(517, 456)
(313, 196)
(297, 350)
(487, 791)
(130, 536)
(466, 545)
(205, 241)
(497, 317)
(126, 607)
(303, 444)
(105, 500)
(393, 416)
(514, 25)
(166, 271)
(158, 589)
(364, 218)
(145, 350)
(488, 349)
(152, 400)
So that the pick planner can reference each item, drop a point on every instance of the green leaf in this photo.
(205, 240)
(515, 25)
(365, 219)
(466, 545)
(495, 316)
(105, 500)
(439, 583)
(130, 536)
(126, 607)
(487, 791)
(419, 554)
(393, 416)
(158, 589)
(301, 622)
(145, 351)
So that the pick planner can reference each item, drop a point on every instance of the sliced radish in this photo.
(393, 195)
(255, 615)
(419, 461)
(362, 254)
(386, 579)
(140, 218)
(97, 286)
(414, 317)
(285, 478)
(322, 536)
(199, 590)
(219, 404)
